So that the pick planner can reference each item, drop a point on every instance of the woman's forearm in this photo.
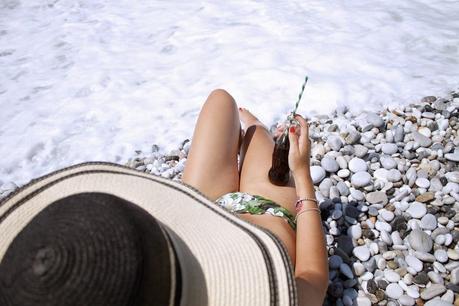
(311, 252)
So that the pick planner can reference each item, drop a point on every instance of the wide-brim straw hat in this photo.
(99, 229)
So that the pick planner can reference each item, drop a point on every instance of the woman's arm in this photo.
(311, 263)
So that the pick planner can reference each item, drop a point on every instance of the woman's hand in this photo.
(300, 147)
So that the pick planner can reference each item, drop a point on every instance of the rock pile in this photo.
(388, 187)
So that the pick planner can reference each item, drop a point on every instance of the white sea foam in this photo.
(96, 79)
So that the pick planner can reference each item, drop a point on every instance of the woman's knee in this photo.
(221, 98)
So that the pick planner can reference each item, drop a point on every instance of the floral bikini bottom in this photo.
(242, 202)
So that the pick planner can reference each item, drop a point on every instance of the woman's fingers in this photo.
(293, 138)
(304, 138)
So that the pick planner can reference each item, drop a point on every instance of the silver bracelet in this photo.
(305, 210)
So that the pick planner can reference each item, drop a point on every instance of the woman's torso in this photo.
(279, 227)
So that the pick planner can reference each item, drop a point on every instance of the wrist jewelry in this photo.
(305, 210)
(299, 203)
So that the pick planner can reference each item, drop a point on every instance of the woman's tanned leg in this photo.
(212, 165)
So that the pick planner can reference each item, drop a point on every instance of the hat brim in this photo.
(240, 263)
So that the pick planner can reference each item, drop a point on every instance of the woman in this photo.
(212, 167)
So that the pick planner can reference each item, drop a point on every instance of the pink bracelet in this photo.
(299, 203)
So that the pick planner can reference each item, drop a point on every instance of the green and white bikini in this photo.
(242, 202)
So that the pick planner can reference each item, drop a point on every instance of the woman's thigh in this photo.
(257, 150)
(212, 165)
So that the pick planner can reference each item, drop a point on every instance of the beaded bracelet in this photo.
(299, 203)
(305, 210)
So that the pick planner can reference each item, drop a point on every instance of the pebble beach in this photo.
(388, 187)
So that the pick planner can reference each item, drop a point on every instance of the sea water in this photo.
(88, 80)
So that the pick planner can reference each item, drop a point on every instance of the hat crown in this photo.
(89, 249)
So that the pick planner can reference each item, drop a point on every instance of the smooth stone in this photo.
(438, 302)
(361, 179)
(425, 197)
(422, 182)
(352, 211)
(448, 296)
(391, 276)
(381, 173)
(453, 176)
(399, 133)
(355, 231)
(417, 210)
(389, 148)
(421, 278)
(361, 252)
(424, 256)
(440, 240)
(387, 215)
(385, 236)
(420, 241)
(357, 194)
(451, 187)
(335, 261)
(453, 254)
(394, 291)
(325, 186)
(421, 139)
(342, 162)
(329, 164)
(412, 292)
(373, 211)
(377, 197)
(394, 175)
(344, 173)
(406, 300)
(396, 239)
(452, 156)
(359, 268)
(346, 271)
(441, 255)
(387, 162)
(383, 226)
(435, 277)
(317, 174)
(414, 263)
(432, 291)
(360, 150)
(363, 301)
(429, 222)
(454, 276)
(342, 188)
(357, 164)
(334, 142)
(374, 119)
(337, 214)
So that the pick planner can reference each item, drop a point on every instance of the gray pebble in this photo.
(417, 210)
(334, 142)
(357, 164)
(361, 252)
(317, 174)
(422, 140)
(361, 179)
(329, 164)
(432, 291)
(377, 197)
(429, 222)
(420, 241)
(389, 148)
(394, 291)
